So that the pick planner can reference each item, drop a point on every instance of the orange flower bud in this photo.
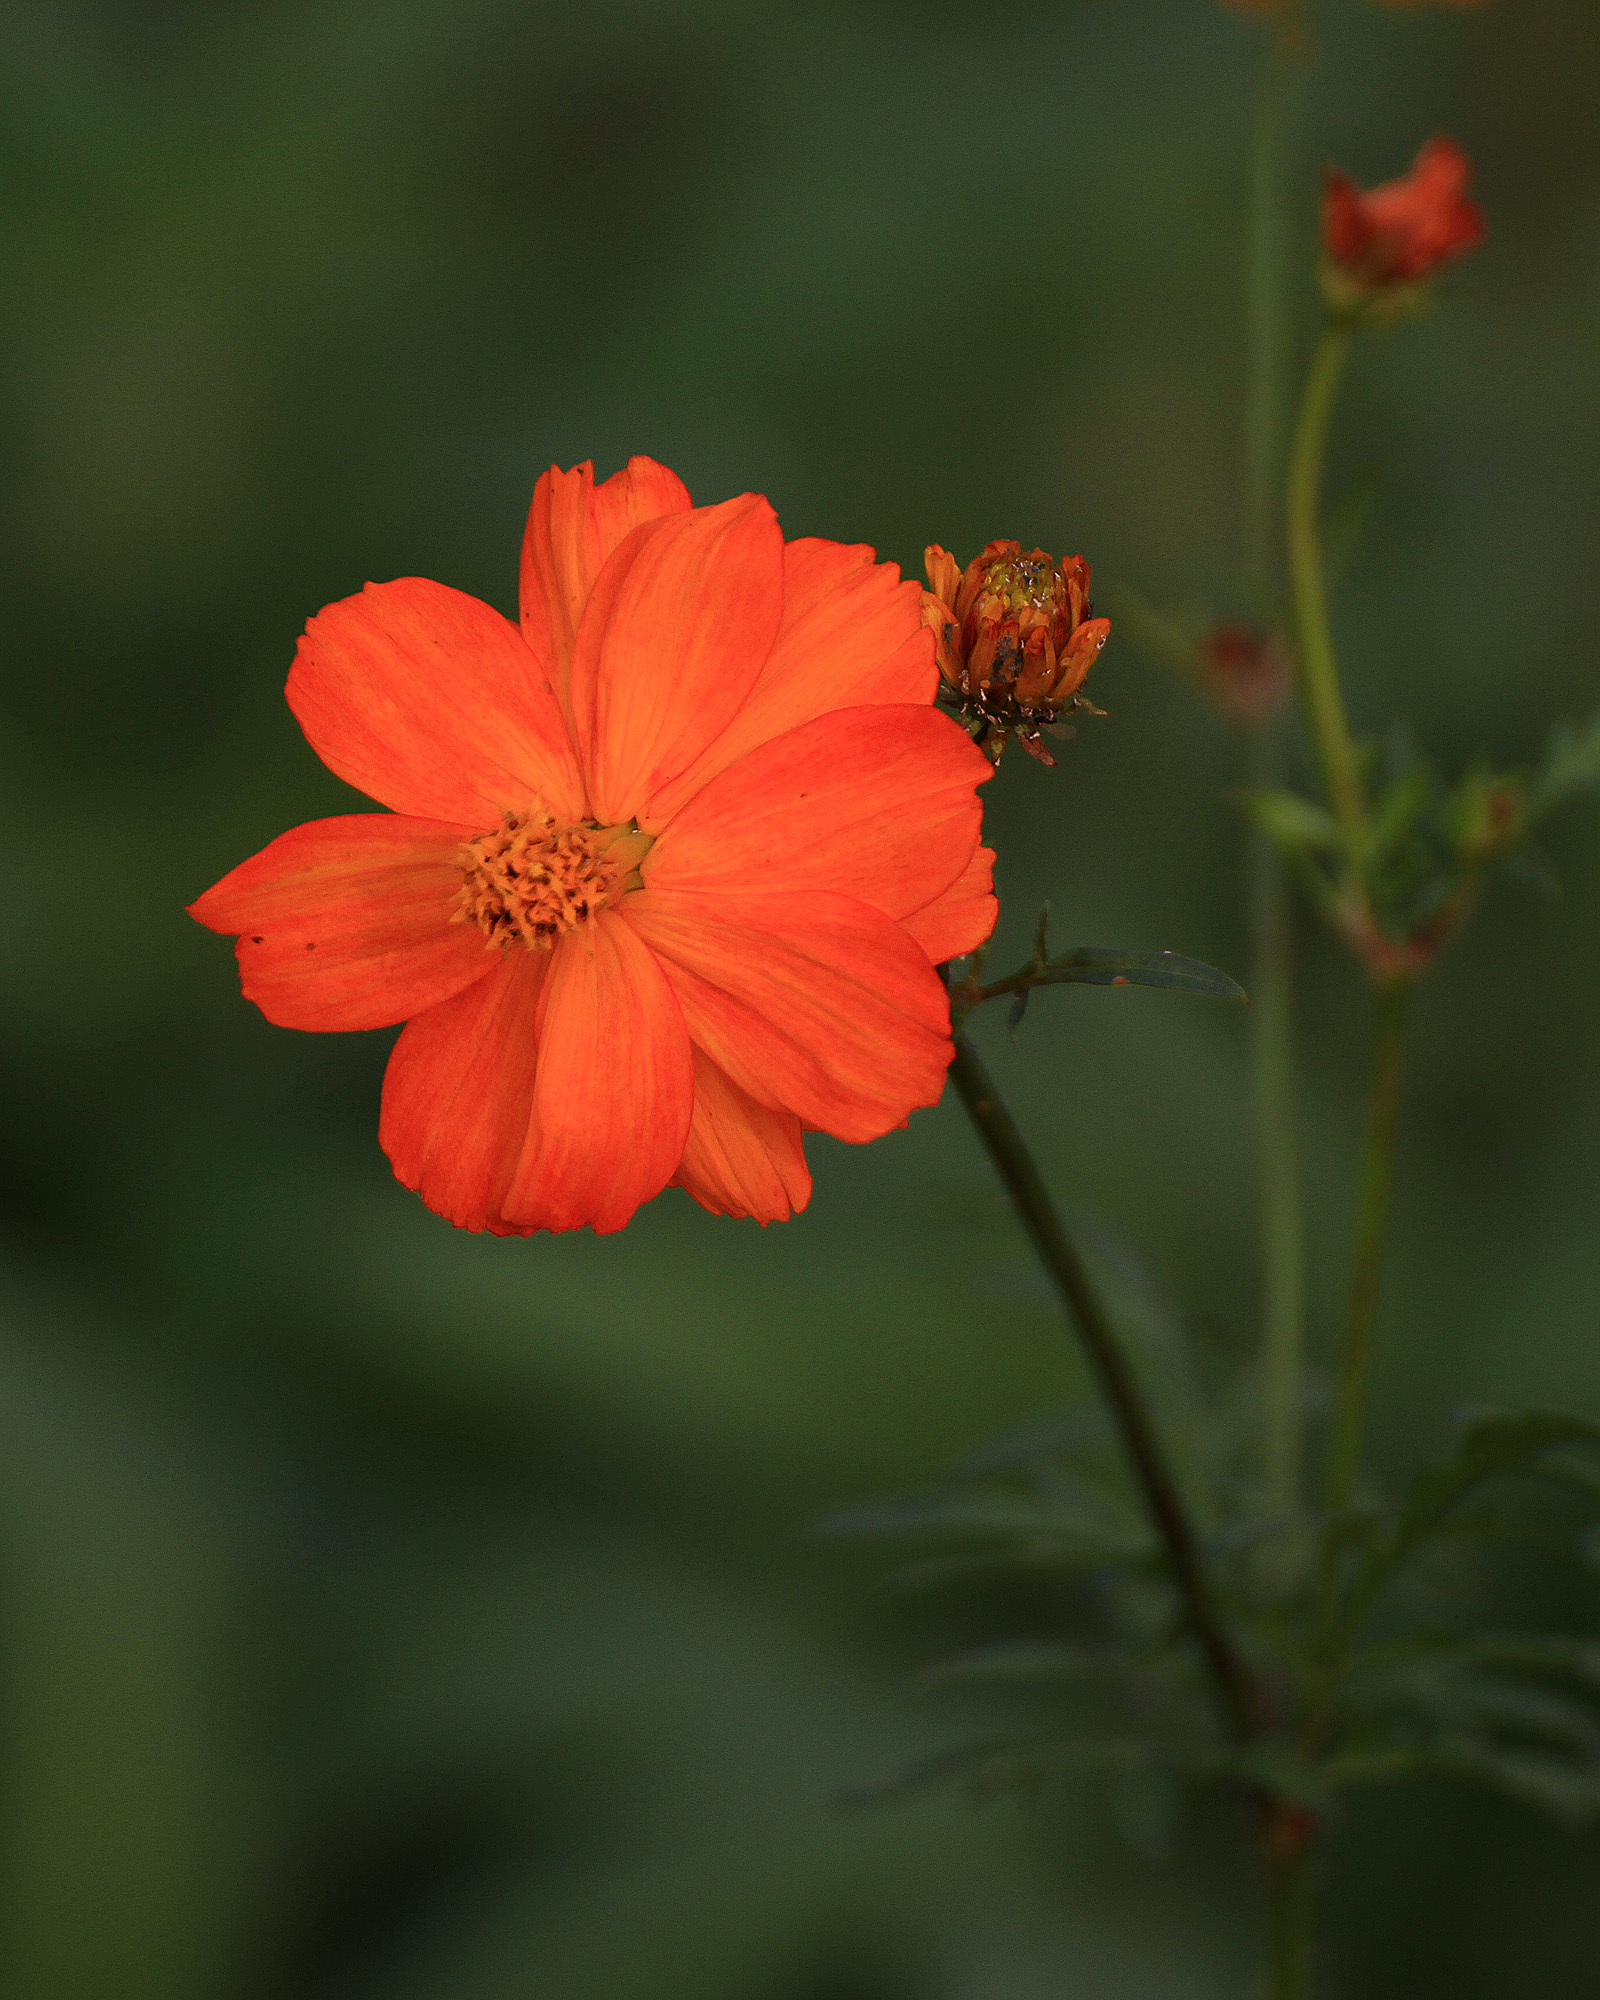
(1015, 636)
(1382, 242)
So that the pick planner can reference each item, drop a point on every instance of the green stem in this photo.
(1318, 668)
(1267, 331)
(1278, 1191)
(1266, 320)
(1290, 1917)
(1282, 1246)
(1236, 1692)
(1372, 1228)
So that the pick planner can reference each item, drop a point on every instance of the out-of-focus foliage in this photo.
(393, 1613)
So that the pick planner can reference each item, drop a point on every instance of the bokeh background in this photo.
(390, 1613)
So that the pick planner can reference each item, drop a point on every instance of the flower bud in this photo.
(1490, 816)
(1244, 671)
(1383, 243)
(1015, 636)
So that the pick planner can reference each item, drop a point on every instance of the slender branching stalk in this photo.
(1314, 655)
(1291, 1919)
(1289, 1887)
(1281, 1224)
(1269, 908)
(1238, 1698)
(1372, 1228)
(1267, 318)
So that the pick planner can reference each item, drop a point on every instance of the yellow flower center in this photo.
(1026, 583)
(534, 880)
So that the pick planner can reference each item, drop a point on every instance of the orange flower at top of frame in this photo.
(1381, 238)
(1276, 6)
(666, 872)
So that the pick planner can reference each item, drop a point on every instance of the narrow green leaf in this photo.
(981, 1767)
(984, 1769)
(1025, 1662)
(1401, 808)
(1571, 763)
(1094, 966)
(1378, 1767)
(1059, 1515)
(1293, 824)
(1564, 1792)
(1058, 1557)
(1490, 1445)
(1266, 1766)
(1085, 1426)
(1553, 1653)
(1529, 1714)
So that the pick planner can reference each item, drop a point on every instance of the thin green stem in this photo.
(1237, 1695)
(1270, 913)
(1269, 908)
(1318, 668)
(1372, 1228)
(1278, 1192)
(1290, 1913)
(1266, 320)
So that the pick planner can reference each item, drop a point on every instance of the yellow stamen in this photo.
(534, 880)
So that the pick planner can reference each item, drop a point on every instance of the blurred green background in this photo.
(393, 1613)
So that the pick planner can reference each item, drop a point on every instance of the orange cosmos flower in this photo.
(666, 872)
(1382, 239)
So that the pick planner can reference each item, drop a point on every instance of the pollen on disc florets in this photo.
(534, 880)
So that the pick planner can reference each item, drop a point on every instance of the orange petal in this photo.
(672, 639)
(871, 802)
(943, 572)
(345, 923)
(614, 1089)
(458, 1095)
(573, 525)
(1082, 650)
(741, 1159)
(814, 1004)
(959, 920)
(852, 635)
(430, 702)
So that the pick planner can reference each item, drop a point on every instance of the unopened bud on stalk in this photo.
(1490, 816)
(1016, 637)
(1244, 671)
(1383, 244)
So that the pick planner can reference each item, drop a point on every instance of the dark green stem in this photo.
(1372, 1228)
(1267, 336)
(1282, 1234)
(1290, 1917)
(1236, 1692)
